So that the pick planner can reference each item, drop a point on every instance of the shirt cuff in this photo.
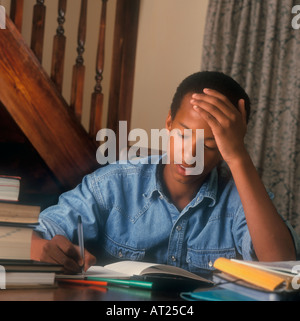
(295, 239)
(248, 252)
(47, 229)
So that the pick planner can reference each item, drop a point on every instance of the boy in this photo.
(161, 213)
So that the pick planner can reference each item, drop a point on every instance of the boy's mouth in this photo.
(184, 170)
(184, 166)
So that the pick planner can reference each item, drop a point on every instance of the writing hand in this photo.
(227, 123)
(61, 251)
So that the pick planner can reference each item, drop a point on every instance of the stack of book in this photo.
(9, 188)
(238, 280)
(17, 222)
(276, 277)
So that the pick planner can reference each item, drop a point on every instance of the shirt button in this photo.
(210, 264)
(173, 258)
(179, 228)
(120, 254)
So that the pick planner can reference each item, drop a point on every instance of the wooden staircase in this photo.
(34, 102)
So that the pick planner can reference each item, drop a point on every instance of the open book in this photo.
(127, 269)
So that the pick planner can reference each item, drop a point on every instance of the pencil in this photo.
(121, 282)
(81, 240)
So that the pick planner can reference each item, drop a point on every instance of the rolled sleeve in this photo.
(244, 242)
(242, 236)
(295, 238)
(47, 229)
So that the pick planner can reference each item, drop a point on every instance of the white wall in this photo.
(169, 48)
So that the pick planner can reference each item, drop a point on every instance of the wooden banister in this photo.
(79, 68)
(42, 114)
(34, 99)
(59, 47)
(38, 29)
(97, 96)
(123, 60)
(123, 65)
(16, 13)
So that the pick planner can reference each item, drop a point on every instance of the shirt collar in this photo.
(155, 184)
(207, 190)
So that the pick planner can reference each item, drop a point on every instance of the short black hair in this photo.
(218, 81)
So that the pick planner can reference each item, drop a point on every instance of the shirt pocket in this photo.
(121, 251)
(204, 259)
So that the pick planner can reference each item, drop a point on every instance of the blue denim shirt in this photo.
(127, 215)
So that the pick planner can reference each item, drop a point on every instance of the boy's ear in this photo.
(169, 121)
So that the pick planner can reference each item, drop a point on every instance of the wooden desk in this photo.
(67, 292)
(70, 292)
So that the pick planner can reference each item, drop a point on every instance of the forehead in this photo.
(189, 117)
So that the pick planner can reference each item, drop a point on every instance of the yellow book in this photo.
(267, 280)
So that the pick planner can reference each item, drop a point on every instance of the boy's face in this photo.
(188, 118)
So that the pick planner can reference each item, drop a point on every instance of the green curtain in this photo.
(254, 42)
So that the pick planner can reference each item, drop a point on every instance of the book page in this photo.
(144, 268)
(9, 188)
(130, 267)
(97, 272)
(173, 270)
(15, 243)
(16, 213)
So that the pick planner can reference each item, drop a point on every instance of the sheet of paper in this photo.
(284, 266)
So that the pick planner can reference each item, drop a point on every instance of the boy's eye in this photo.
(210, 148)
(183, 136)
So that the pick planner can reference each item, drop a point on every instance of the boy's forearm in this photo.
(271, 238)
